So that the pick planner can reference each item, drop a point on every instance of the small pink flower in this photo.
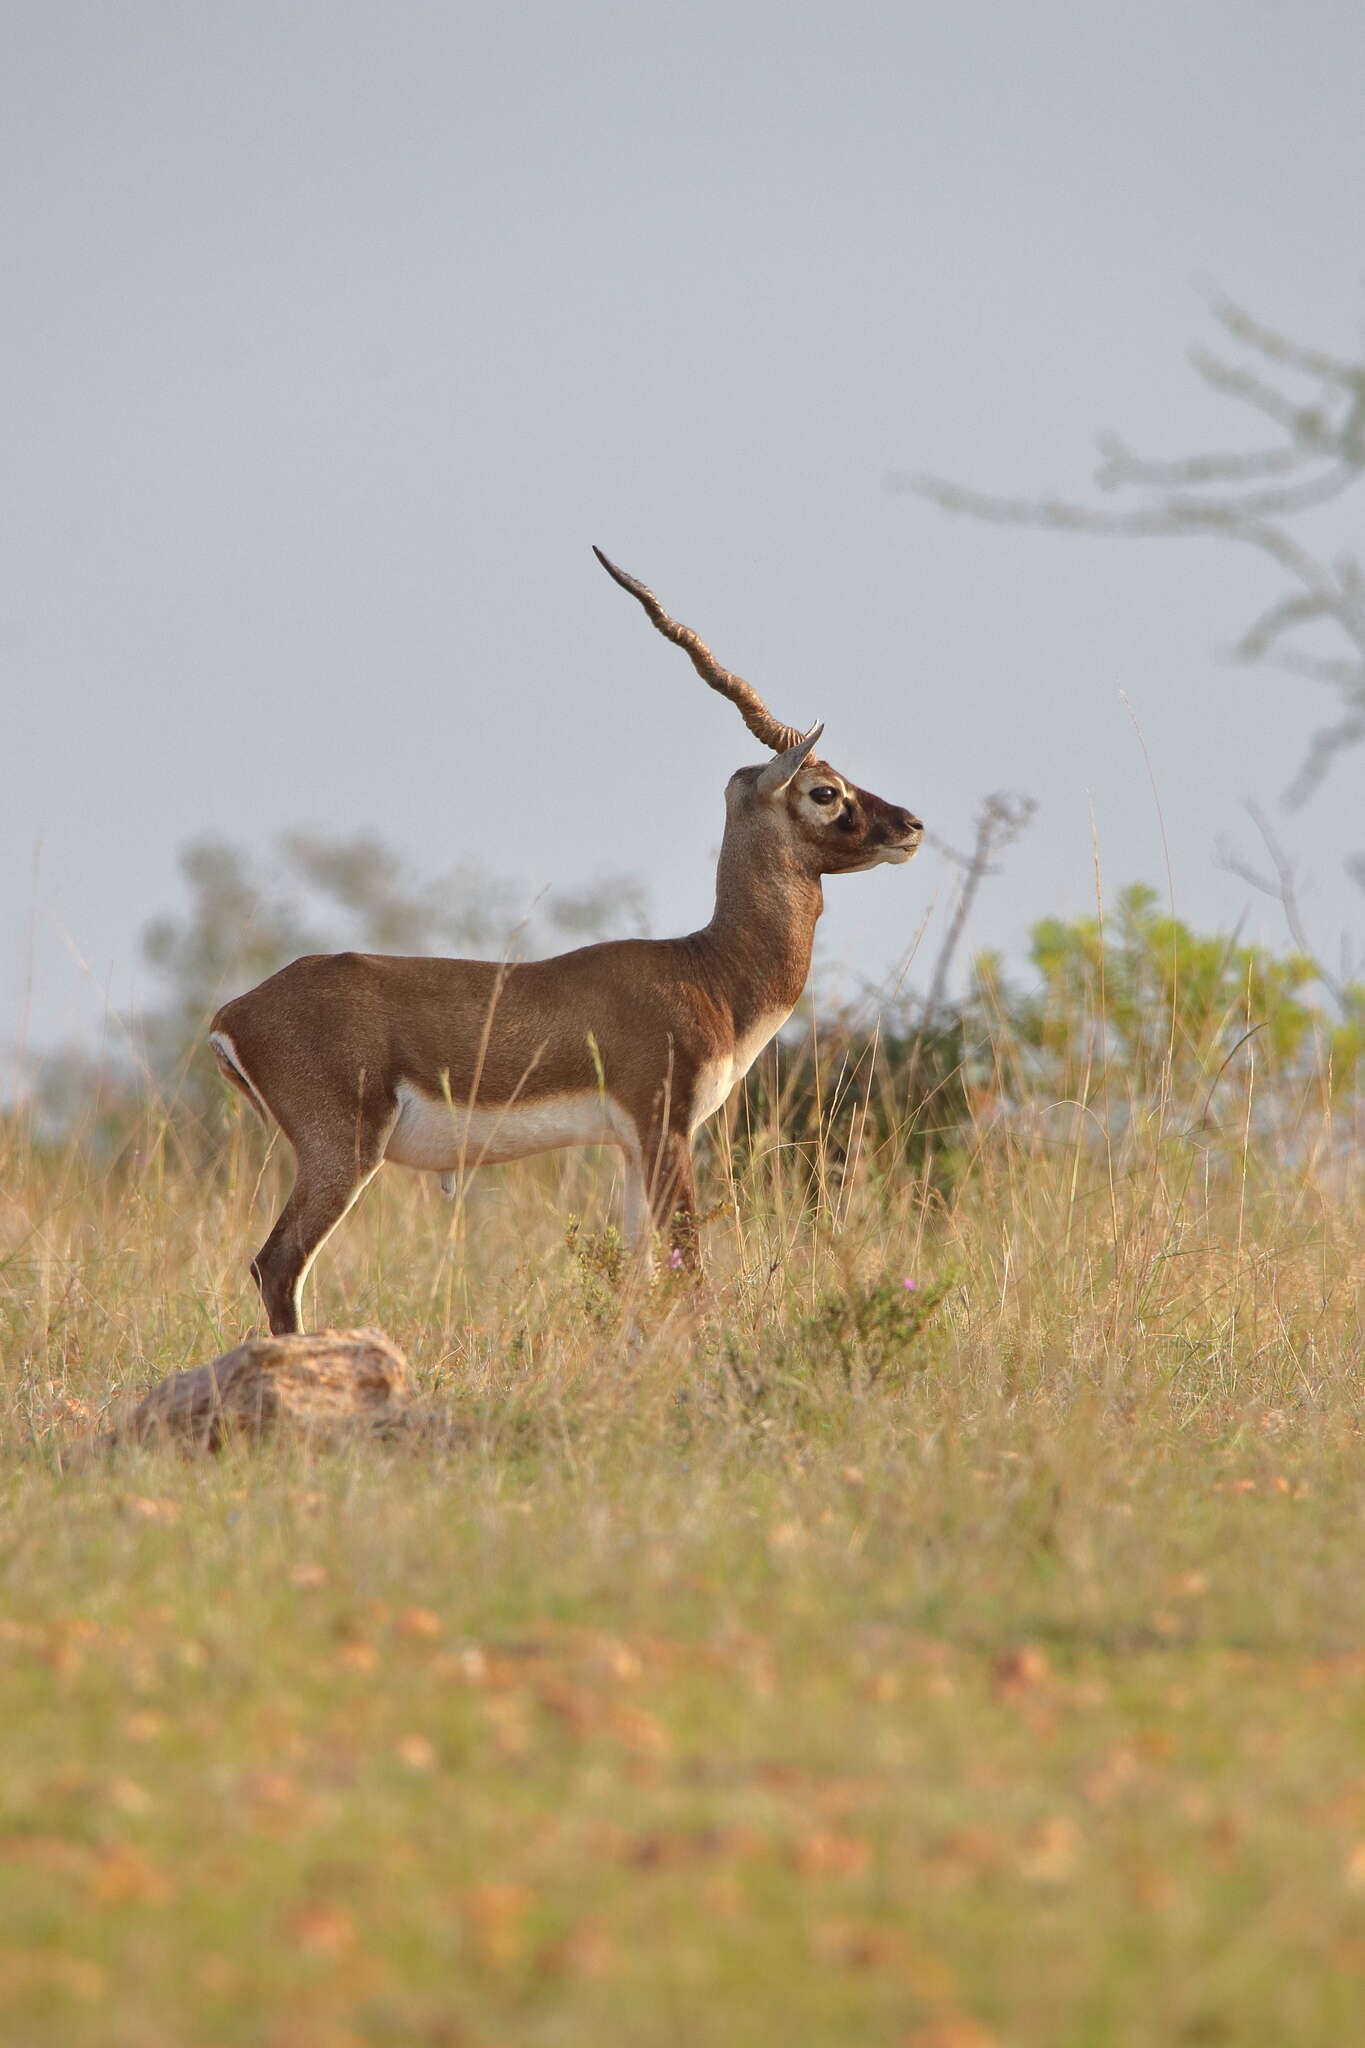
(675, 1258)
(910, 1285)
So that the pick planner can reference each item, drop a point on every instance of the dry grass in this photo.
(799, 1674)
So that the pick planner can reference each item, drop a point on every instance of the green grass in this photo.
(786, 1677)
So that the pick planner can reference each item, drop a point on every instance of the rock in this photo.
(329, 1384)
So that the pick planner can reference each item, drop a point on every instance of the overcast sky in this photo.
(334, 335)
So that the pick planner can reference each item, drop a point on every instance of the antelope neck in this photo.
(758, 944)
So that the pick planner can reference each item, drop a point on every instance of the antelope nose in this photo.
(907, 823)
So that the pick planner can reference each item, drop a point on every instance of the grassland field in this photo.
(972, 1664)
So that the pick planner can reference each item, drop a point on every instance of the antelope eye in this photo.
(824, 794)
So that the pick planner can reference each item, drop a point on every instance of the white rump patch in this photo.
(230, 1057)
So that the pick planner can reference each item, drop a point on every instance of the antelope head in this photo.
(828, 824)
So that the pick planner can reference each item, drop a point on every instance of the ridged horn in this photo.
(742, 695)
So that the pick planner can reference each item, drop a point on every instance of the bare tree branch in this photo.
(1324, 746)
(1284, 888)
(1278, 348)
(1119, 467)
(1002, 817)
(1251, 498)
(1263, 633)
(1300, 422)
(1317, 668)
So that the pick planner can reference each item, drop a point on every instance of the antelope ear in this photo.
(782, 767)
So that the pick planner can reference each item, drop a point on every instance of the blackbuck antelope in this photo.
(445, 1065)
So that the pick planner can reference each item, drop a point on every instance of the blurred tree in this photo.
(1143, 999)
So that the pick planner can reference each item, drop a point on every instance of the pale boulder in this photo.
(324, 1385)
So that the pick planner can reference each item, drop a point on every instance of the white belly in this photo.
(440, 1137)
(718, 1077)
